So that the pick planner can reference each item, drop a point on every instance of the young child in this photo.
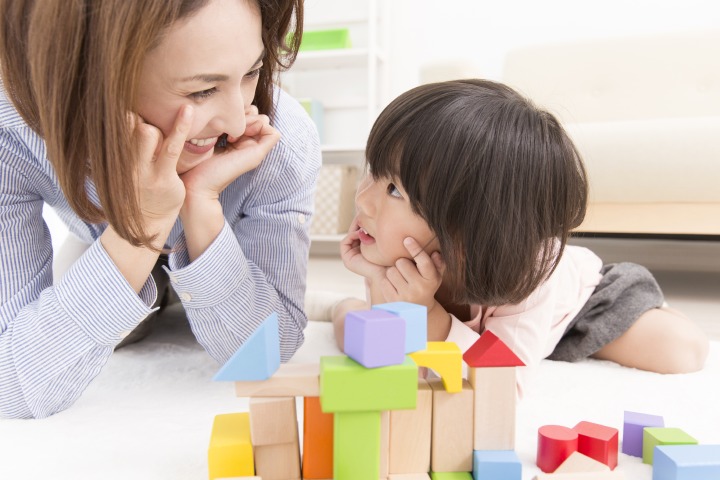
(470, 197)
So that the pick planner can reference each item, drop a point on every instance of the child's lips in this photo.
(365, 237)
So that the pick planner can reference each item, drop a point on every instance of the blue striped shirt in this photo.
(57, 334)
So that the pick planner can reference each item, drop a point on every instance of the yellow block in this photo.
(230, 453)
(445, 359)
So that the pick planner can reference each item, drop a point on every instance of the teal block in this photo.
(347, 386)
(686, 462)
(415, 317)
(256, 359)
(496, 465)
(356, 445)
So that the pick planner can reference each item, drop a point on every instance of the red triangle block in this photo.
(490, 351)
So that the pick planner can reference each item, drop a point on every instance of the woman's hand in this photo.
(241, 155)
(353, 259)
(415, 279)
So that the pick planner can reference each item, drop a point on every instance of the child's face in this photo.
(209, 60)
(385, 218)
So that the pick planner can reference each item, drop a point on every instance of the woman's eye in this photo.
(393, 191)
(201, 95)
(253, 73)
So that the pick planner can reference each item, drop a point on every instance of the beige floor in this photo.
(687, 271)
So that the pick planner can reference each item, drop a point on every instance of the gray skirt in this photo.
(625, 292)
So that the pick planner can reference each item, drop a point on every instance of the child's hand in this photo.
(353, 259)
(414, 280)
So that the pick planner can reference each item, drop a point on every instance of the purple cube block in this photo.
(633, 425)
(375, 338)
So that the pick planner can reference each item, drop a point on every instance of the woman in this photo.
(146, 125)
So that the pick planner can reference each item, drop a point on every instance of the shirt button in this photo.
(301, 218)
(185, 297)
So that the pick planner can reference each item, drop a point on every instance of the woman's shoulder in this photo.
(16, 133)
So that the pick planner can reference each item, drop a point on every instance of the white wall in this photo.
(477, 33)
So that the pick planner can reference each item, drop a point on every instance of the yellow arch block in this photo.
(445, 359)
(230, 453)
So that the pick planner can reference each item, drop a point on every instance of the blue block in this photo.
(496, 465)
(686, 462)
(415, 317)
(375, 338)
(256, 359)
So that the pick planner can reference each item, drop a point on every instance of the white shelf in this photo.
(325, 245)
(340, 58)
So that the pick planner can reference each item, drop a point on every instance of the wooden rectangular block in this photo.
(409, 476)
(410, 433)
(278, 462)
(317, 458)
(452, 433)
(495, 403)
(290, 380)
(273, 420)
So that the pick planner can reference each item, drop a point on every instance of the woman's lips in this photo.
(365, 237)
(197, 150)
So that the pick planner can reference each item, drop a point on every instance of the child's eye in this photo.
(253, 73)
(393, 191)
(203, 94)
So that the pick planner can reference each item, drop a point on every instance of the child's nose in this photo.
(364, 196)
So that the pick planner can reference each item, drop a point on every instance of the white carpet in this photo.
(148, 414)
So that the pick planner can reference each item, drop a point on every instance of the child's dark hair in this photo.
(497, 179)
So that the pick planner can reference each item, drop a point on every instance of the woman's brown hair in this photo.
(71, 69)
(497, 179)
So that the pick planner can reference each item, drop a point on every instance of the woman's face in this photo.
(211, 61)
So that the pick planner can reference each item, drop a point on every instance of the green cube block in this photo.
(654, 436)
(356, 445)
(347, 386)
(451, 476)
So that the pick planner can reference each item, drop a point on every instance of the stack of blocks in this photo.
(367, 414)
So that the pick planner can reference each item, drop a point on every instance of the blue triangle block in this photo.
(256, 359)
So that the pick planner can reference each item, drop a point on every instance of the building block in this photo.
(273, 420)
(385, 444)
(608, 475)
(495, 403)
(278, 462)
(451, 476)
(490, 351)
(290, 380)
(579, 463)
(633, 425)
(410, 433)
(598, 442)
(654, 436)
(257, 358)
(452, 430)
(445, 359)
(230, 453)
(357, 445)
(686, 462)
(496, 465)
(317, 461)
(555, 444)
(415, 317)
(375, 338)
(347, 386)
(409, 476)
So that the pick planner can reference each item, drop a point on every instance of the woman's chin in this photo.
(187, 162)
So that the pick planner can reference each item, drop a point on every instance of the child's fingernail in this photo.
(408, 241)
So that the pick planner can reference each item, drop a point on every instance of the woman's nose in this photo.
(231, 119)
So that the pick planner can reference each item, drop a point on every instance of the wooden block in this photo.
(409, 476)
(278, 462)
(410, 434)
(375, 338)
(609, 475)
(258, 358)
(598, 442)
(633, 425)
(415, 317)
(347, 386)
(317, 461)
(385, 444)
(686, 462)
(496, 465)
(357, 446)
(445, 359)
(555, 444)
(654, 436)
(273, 420)
(452, 438)
(495, 402)
(230, 452)
(579, 463)
(490, 351)
(290, 380)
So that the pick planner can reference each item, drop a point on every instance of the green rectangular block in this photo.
(654, 436)
(356, 447)
(451, 476)
(347, 386)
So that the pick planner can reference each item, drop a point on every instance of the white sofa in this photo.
(645, 114)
